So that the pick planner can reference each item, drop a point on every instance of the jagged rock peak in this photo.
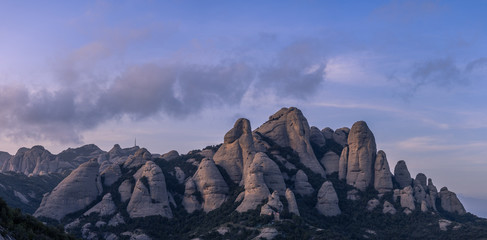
(237, 151)
(450, 202)
(328, 200)
(74, 193)
(289, 128)
(140, 157)
(361, 156)
(402, 175)
(36, 160)
(383, 175)
(421, 179)
(171, 155)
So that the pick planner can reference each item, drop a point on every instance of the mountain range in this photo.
(282, 180)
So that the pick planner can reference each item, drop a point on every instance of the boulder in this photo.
(190, 200)
(424, 206)
(382, 174)
(273, 207)
(316, 137)
(450, 202)
(237, 150)
(211, 185)
(342, 164)
(340, 136)
(388, 208)
(171, 155)
(150, 196)
(407, 199)
(105, 207)
(75, 192)
(125, 190)
(289, 128)
(256, 191)
(291, 202)
(301, 184)
(402, 175)
(331, 162)
(361, 156)
(328, 133)
(328, 200)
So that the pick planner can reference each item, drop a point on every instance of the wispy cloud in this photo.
(434, 144)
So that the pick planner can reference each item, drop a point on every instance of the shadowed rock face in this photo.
(289, 128)
(74, 193)
(331, 162)
(316, 137)
(402, 175)
(450, 202)
(237, 151)
(301, 184)
(361, 156)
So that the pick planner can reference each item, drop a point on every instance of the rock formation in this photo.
(111, 174)
(301, 184)
(383, 175)
(125, 190)
(237, 151)
(316, 137)
(171, 155)
(388, 208)
(256, 191)
(190, 200)
(138, 159)
(104, 208)
(272, 175)
(340, 136)
(407, 198)
(273, 207)
(450, 202)
(372, 204)
(330, 161)
(289, 128)
(291, 202)
(36, 160)
(361, 156)
(328, 200)
(433, 193)
(343, 164)
(150, 195)
(74, 193)
(402, 175)
(211, 185)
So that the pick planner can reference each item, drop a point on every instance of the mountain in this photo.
(282, 180)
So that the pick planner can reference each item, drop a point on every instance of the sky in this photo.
(178, 74)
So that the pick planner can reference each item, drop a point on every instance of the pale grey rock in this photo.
(259, 144)
(111, 174)
(407, 198)
(237, 151)
(104, 208)
(353, 195)
(331, 162)
(119, 155)
(397, 194)
(301, 184)
(116, 220)
(171, 155)
(421, 179)
(179, 174)
(382, 174)
(273, 207)
(444, 224)
(388, 208)
(37, 161)
(450, 202)
(361, 156)
(272, 175)
(4, 156)
(207, 153)
(138, 159)
(402, 175)
(328, 200)
(407, 211)
(372, 204)
(267, 233)
(291, 202)
(327, 133)
(256, 191)
(316, 137)
(150, 195)
(190, 200)
(74, 193)
(211, 185)
(424, 206)
(21, 197)
(419, 192)
(223, 230)
(289, 128)
(341, 135)
(343, 164)
(125, 190)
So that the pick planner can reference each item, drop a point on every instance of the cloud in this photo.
(85, 96)
(434, 144)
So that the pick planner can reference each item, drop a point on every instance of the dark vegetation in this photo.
(21, 226)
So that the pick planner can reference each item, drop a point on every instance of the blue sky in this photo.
(177, 74)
